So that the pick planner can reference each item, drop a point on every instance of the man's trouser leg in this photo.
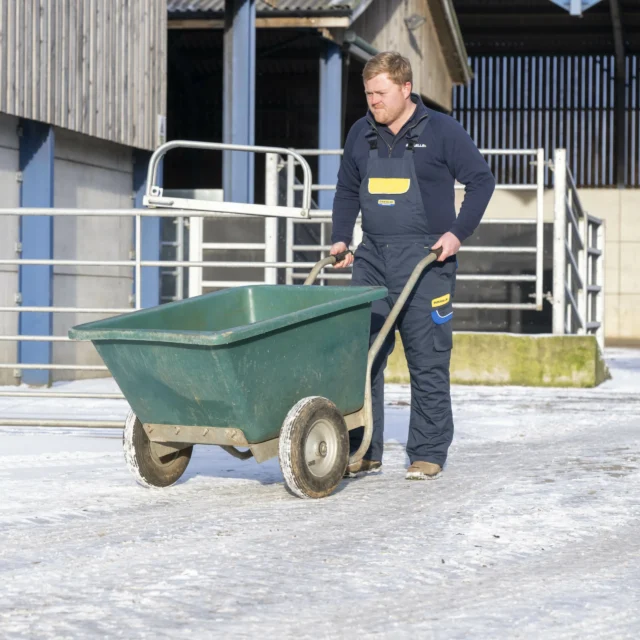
(431, 421)
(425, 327)
(369, 271)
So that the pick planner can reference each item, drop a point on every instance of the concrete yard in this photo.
(532, 531)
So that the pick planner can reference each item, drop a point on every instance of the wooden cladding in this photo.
(92, 66)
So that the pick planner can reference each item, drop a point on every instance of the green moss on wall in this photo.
(509, 359)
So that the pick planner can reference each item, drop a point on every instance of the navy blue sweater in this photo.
(449, 155)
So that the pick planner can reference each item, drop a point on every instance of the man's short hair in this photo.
(395, 65)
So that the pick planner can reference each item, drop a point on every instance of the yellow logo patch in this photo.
(389, 186)
(387, 203)
(441, 301)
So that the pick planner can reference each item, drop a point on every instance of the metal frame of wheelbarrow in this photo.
(168, 439)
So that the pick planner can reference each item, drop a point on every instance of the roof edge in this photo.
(448, 28)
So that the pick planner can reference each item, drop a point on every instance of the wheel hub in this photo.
(321, 449)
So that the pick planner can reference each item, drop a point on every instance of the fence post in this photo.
(583, 264)
(599, 303)
(539, 227)
(271, 224)
(195, 255)
(559, 241)
(291, 234)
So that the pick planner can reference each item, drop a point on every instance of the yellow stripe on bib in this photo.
(391, 186)
(441, 301)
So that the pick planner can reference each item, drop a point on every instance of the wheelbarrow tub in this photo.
(241, 357)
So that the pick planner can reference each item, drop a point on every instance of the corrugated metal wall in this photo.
(528, 102)
(92, 66)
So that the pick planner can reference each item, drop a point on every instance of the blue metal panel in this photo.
(36, 234)
(239, 98)
(151, 231)
(330, 124)
(565, 102)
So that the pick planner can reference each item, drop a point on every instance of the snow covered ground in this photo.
(532, 531)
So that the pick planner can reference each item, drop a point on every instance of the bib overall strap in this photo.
(372, 138)
(414, 133)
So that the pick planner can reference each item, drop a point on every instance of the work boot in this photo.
(362, 467)
(421, 470)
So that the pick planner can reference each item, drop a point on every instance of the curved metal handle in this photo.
(160, 152)
(319, 266)
(377, 343)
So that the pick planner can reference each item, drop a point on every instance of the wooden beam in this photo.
(267, 23)
(195, 24)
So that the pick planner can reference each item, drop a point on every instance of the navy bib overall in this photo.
(396, 238)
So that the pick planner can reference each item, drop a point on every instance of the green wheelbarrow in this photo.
(262, 371)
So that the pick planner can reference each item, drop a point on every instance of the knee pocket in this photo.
(442, 327)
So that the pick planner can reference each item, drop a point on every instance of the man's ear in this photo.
(406, 89)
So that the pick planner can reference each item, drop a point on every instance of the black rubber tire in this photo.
(148, 469)
(304, 417)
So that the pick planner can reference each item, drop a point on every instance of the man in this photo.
(399, 167)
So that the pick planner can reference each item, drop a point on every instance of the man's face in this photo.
(387, 100)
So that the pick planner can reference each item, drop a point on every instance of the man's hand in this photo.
(339, 247)
(450, 246)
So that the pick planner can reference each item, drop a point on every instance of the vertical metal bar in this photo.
(290, 236)
(610, 115)
(511, 120)
(629, 120)
(591, 146)
(596, 116)
(621, 90)
(559, 239)
(468, 106)
(583, 269)
(518, 116)
(195, 255)
(603, 120)
(271, 224)
(560, 105)
(357, 232)
(527, 140)
(138, 268)
(599, 302)
(569, 110)
(554, 104)
(548, 142)
(539, 111)
(540, 167)
(323, 240)
(471, 92)
(631, 116)
(482, 98)
(180, 257)
(581, 177)
(505, 120)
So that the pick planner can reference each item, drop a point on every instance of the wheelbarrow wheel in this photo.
(313, 448)
(149, 467)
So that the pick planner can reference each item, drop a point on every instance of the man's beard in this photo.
(387, 116)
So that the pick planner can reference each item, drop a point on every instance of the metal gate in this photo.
(578, 249)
